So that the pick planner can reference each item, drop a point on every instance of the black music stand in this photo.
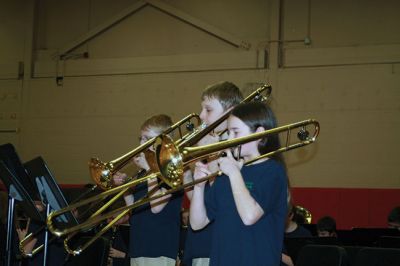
(369, 237)
(20, 190)
(50, 194)
(49, 190)
(37, 169)
(295, 244)
(16, 192)
(12, 161)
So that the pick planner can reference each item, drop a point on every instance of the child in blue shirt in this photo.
(248, 204)
(216, 99)
(154, 226)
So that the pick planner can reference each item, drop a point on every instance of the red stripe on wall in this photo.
(351, 207)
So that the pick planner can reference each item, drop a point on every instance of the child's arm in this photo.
(248, 208)
(157, 205)
(198, 213)
(188, 178)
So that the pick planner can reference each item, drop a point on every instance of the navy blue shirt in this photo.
(234, 243)
(300, 231)
(155, 235)
(198, 243)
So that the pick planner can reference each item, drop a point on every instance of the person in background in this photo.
(118, 250)
(293, 228)
(393, 218)
(326, 227)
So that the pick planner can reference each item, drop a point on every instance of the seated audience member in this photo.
(293, 228)
(393, 219)
(118, 250)
(326, 227)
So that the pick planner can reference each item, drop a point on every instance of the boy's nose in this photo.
(202, 116)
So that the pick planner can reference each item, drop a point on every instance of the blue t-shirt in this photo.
(198, 243)
(154, 235)
(234, 243)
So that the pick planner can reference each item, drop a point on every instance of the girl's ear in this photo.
(260, 129)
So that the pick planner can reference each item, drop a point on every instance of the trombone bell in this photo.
(169, 161)
(101, 173)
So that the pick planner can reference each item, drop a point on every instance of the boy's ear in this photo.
(260, 129)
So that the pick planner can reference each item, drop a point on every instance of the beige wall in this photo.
(161, 56)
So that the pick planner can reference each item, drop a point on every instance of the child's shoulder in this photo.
(267, 165)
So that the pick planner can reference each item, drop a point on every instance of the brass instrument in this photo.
(303, 212)
(32, 235)
(102, 172)
(171, 159)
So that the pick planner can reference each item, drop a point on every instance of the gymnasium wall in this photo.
(78, 77)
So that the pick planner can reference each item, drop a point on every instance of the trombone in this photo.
(102, 172)
(172, 159)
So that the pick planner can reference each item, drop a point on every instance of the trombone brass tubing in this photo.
(30, 236)
(195, 137)
(103, 230)
(172, 158)
(120, 190)
(124, 210)
(120, 212)
(99, 211)
(102, 172)
(24, 241)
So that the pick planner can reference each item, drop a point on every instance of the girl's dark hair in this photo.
(255, 115)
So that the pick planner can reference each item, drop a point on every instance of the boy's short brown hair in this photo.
(227, 93)
(158, 123)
